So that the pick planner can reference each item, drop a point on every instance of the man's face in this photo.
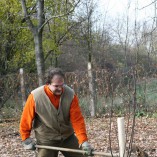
(56, 85)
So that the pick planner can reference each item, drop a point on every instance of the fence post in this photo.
(22, 86)
(121, 136)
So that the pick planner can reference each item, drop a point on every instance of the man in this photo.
(53, 112)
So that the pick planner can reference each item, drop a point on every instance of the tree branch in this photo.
(56, 16)
(26, 15)
(41, 15)
(148, 5)
(73, 26)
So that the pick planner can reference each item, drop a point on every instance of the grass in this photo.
(122, 102)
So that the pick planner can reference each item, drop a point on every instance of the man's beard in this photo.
(57, 92)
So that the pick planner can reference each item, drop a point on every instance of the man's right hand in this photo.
(28, 144)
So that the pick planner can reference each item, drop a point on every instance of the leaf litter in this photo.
(102, 134)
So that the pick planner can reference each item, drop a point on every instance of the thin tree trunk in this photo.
(91, 90)
(39, 57)
(90, 55)
(37, 34)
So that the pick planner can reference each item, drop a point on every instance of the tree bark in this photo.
(39, 57)
(37, 34)
(91, 90)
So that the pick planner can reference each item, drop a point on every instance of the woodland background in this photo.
(111, 65)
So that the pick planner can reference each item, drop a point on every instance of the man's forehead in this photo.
(57, 78)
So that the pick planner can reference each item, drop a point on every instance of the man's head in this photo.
(55, 81)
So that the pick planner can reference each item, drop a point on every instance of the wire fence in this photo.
(113, 88)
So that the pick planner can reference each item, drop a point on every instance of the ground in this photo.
(100, 134)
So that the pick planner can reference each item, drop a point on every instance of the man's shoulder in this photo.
(41, 88)
(66, 87)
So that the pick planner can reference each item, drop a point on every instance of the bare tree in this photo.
(88, 38)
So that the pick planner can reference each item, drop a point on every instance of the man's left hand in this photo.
(87, 147)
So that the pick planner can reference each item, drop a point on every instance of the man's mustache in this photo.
(58, 90)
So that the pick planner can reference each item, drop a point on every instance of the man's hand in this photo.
(87, 147)
(28, 144)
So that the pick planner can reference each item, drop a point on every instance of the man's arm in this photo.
(27, 118)
(77, 121)
(78, 124)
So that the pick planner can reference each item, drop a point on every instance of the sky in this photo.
(116, 8)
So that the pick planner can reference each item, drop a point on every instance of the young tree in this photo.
(88, 38)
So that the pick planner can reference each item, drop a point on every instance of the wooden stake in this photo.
(121, 136)
(22, 87)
